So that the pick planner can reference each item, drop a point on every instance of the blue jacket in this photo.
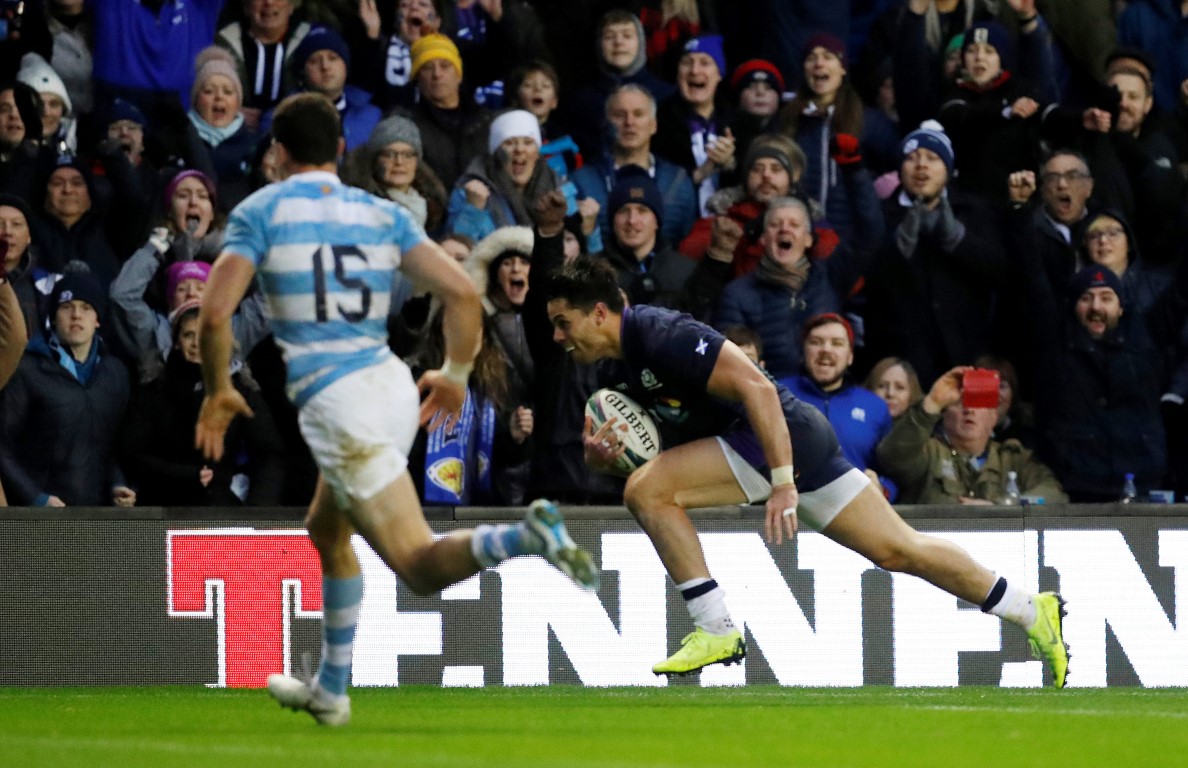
(136, 47)
(680, 199)
(859, 417)
(1157, 27)
(358, 118)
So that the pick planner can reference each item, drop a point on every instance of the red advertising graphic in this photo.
(245, 580)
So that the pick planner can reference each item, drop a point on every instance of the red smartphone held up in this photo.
(979, 388)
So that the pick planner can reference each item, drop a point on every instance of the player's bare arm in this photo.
(445, 389)
(229, 280)
(736, 378)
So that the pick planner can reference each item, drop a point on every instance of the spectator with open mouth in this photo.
(787, 288)
(827, 120)
(216, 112)
(170, 269)
(385, 60)
(500, 188)
(694, 124)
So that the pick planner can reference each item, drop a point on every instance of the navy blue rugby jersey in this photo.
(667, 361)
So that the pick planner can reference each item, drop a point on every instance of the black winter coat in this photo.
(158, 445)
(57, 435)
(451, 138)
(1097, 402)
(661, 285)
(935, 308)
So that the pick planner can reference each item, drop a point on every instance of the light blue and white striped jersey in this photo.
(325, 254)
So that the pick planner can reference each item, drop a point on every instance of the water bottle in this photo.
(1129, 492)
(1012, 489)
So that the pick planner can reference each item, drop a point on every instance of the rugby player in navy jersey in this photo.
(734, 436)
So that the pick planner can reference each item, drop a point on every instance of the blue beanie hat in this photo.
(320, 39)
(122, 109)
(634, 185)
(710, 45)
(930, 135)
(1094, 276)
(997, 36)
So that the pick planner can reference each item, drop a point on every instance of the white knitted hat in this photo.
(41, 77)
(513, 124)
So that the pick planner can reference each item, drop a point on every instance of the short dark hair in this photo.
(517, 77)
(308, 126)
(585, 282)
(743, 335)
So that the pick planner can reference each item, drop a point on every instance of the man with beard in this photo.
(960, 463)
(1104, 370)
(858, 416)
(773, 165)
(1151, 163)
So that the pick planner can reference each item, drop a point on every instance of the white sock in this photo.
(1010, 603)
(706, 602)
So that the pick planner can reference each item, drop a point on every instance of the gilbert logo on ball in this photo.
(641, 439)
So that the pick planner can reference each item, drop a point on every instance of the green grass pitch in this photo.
(575, 727)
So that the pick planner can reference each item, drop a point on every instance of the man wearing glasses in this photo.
(1057, 223)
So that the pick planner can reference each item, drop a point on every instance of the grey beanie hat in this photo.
(393, 129)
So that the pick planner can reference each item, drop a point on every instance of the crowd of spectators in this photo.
(871, 197)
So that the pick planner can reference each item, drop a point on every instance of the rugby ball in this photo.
(641, 438)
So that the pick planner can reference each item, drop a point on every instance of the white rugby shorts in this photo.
(361, 428)
(816, 508)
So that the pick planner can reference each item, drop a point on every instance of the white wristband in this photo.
(782, 476)
(459, 373)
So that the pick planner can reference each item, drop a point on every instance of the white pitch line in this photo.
(1056, 710)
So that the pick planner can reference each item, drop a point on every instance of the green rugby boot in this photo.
(700, 649)
(1046, 636)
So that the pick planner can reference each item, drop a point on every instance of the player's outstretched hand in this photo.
(781, 514)
(441, 400)
(601, 447)
(219, 409)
